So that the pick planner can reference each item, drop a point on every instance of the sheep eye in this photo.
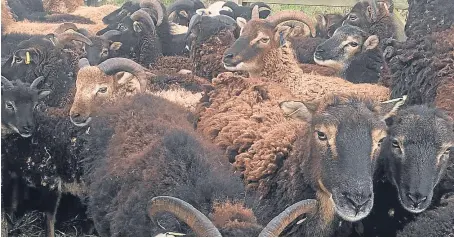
(353, 44)
(381, 141)
(104, 52)
(395, 144)
(9, 105)
(102, 90)
(265, 40)
(321, 135)
(18, 60)
(353, 17)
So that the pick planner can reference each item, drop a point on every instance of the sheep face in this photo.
(126, 9)
(327, 24)
(365, 13)
(417, 150)
(344, 143)
(100, 50)
(18, 103)
(346, 42)
(257, 38)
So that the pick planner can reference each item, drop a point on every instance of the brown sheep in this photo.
(243, 117)
(259, 52)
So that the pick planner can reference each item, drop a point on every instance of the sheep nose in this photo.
(319, 50)
(416, 198)
(228, 56)
(228, 59)
(27, 128)
(75, 115)
(358, 200)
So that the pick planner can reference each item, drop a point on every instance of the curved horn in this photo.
(68, 36)
(293, 15)
(115, 65)
(65, 26)
(6, 83)
(142, 16)
(255, 12)
(184, 211)
(278, 224)
(83, 62)
(196, 19)
(179, 5)
(157, 6)
(35, 82)
(111, 33)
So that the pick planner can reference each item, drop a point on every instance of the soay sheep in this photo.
(43, 56)
(181, 11)
(234, 11)
(208, 38)
(259, 52)
(164, 156)
(19, 100)
(244, 118)
(354, 53)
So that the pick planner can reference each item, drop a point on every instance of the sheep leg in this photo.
(51, 215)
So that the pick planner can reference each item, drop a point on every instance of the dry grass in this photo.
(62, 6)
(93, 13)
(7, 18)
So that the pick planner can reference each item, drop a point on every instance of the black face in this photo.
(18, 104)
(99, 51)
(347, 140)
(126, 9)
(417, 151)
(359, 15)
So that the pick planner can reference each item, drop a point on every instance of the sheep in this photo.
(18, 103)
(61, 6)
(354, 53)
(423, 64)
(115, 16)
(181, 11)
(259, 52)
(325, 25)
(243, 118)
(42, 56)
(212, 10)
(165, 157)
(375, 17)
(207, 39)
(410, 182)
(234, 11)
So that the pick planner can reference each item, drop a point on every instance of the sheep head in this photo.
(103, 47)
(367, 12)
(181, 11)
(344, 141)
(417, 152)
(327, 24)
(125, 10)
(347, 41)
(257, 38)
(202, 226)
(96, 85)
(19, 100)
(205, 28)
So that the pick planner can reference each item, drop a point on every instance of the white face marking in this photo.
(239, 66)
(81, 124)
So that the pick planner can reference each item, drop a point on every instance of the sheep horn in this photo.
(255, 12)
(6, 83)
(293, 15)
(68, 36)
(196, 19)
(65, 26)
(142, 16)
(157, 6)
(278, 224)
(373, 5)
(83, 62)
(198, 222)
(35, 82)
(110, 33)
(179, 5)
(115, 65)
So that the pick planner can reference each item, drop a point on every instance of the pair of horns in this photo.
(34, 86)
(115, 65)
(202, 226)
(288, 15)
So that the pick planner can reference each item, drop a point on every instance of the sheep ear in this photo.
(115, 45)
(371, 42)
(323, 20)
(43, 93)
(137, 26)
(298, 110)
(241, 22)
(387, 110)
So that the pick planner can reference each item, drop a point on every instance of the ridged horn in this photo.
(68, 36)
(36, 82)
(83, 62)
(155, 4)
(293, 15)
(6, 83)
(110, 33)
(66, 26)
(142, 16)
(115, 65)
(281, 221)
(255, 12)
(184, 211)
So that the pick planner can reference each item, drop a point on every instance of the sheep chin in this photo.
(350, 215)
(408, 208)
(80, 124)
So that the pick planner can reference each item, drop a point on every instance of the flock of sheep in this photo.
(227, 120)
